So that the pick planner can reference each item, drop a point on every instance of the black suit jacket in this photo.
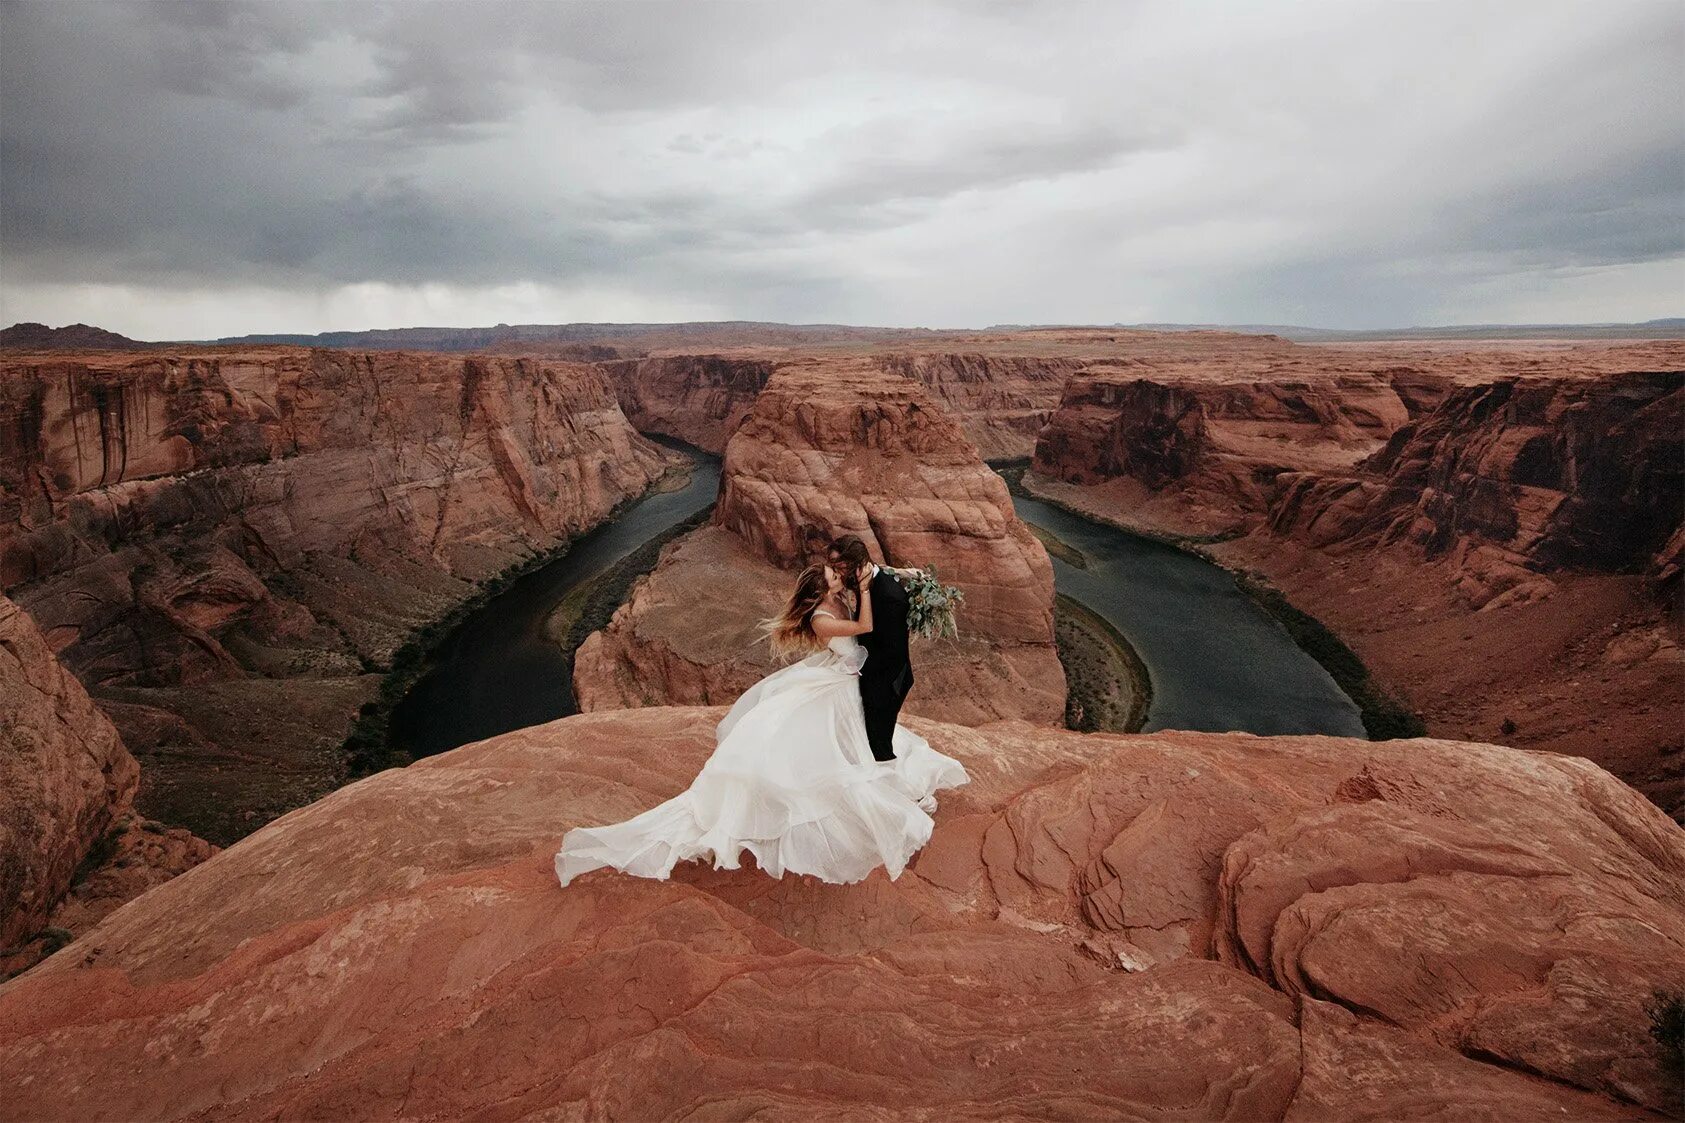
(886, 644)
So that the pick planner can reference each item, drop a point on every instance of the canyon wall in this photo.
(65, 777)
(1001, 401)
(1495, 531)
(228, 548)
(1205, 453)
(1173, 925)
(1518, 478)
(67, 787)
(834, 447)
(698, 399)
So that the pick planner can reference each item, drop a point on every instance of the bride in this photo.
(792, 778)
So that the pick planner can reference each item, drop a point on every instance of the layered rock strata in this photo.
(832, 448)
(1506, 559)
(1173, 925)
(67, 788)
(213, 541)
(698, 399)
(1002, 401)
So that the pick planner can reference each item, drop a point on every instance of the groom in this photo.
(887, 675)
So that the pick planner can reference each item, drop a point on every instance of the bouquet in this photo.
(931, 604)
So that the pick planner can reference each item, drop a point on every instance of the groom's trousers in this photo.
(881, 698)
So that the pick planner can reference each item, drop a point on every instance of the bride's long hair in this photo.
(791, 631)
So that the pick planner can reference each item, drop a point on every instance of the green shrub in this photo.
(1666, 1009)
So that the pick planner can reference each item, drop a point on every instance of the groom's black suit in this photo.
(886, 678)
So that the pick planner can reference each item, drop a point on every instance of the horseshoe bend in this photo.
(228, 895)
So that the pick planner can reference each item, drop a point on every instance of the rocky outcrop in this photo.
(65, 777)
(1206, 453)
(1518, 478)
(71, 850)
(1002, 401)
(211, 539)
(835, 447)
(698, 399)
(1172, 925)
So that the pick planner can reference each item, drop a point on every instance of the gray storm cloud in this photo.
(179, 170)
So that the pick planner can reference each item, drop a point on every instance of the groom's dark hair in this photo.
(850, 549)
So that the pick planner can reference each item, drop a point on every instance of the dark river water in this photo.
(498, 670)
(1218, 662)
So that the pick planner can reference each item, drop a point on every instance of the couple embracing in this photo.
(810, 772)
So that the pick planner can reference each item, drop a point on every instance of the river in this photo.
(1217, 661)
(499, 670)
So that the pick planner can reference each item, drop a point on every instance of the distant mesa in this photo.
(594, 342)
(73, 337)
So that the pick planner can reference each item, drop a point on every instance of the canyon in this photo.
(1174, 925)
(211, 559)
(72, 848)
(1495, 531)
(230, 549)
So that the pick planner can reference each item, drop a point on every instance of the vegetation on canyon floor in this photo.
(1107, 688)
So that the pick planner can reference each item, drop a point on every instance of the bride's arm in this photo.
(826, 626)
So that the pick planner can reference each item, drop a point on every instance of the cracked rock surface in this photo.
(1173, 925)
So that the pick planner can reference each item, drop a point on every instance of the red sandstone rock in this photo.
(402, 948)
(699, 399)
(1519, 477)
(65, 776)
(1002, 401)
(71, 850)
(1212, 449)
(230, 537)
(839, 447)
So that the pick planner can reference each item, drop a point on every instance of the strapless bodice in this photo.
(844, 651)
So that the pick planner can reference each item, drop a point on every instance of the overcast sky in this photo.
(192, 170)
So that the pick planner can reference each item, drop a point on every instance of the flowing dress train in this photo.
(793, 781)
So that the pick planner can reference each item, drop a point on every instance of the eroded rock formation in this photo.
(698, 399)
(65, 776)
(1506, 559)
(1172, 925)
(211, 540)
(1519, 478)
(67, 788)
(834, 447)
(1206, 453)
(1002, 401)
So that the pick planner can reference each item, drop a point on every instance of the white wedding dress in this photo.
(793, 781)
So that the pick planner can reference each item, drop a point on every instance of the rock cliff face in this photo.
(699, 399)
(212, 539)
(1173, 925)
(837, 447)
(65, 776)
(1002, 401)
(1206, 453)
(1518, 477)
(67, 788)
